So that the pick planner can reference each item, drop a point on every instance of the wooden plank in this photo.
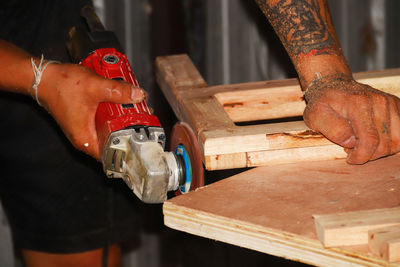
(273, 157)
(271, 103)
(178, 74)
(301, 154)
(270, 209)
(385, 242)
(284, 98)
(351, 228)
(273, 136)
(227, 161)
(213, 113)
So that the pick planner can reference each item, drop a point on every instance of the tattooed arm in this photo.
(365, 121)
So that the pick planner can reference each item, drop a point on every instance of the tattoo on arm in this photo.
(304, 26)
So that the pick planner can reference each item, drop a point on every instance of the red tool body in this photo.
(111, 117)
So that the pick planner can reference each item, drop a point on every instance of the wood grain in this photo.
(351, 228)
(385, 242)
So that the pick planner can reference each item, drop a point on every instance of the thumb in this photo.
(120, 92)
(322, 118)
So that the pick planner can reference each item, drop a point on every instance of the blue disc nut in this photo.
(181, 150)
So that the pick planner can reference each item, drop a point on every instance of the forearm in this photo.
(306, 31)
(16, 73)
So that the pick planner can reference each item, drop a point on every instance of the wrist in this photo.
(314, 68)
(329, 81)
(38, 69)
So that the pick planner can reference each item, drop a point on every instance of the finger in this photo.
(120, 92)
(322, 118)
(365, 131)
(382, 123)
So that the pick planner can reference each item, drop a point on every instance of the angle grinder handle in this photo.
(92, 20)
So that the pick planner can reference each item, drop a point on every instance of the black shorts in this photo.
(57, 198)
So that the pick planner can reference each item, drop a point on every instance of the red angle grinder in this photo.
(131, 139)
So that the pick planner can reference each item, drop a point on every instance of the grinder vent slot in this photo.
(117, 160)
(114, 156)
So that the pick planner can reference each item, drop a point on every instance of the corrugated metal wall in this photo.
(236, 34)
(241, 45)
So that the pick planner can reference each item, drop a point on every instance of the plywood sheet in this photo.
(270, 209)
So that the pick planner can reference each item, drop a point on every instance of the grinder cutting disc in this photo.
(184, 143)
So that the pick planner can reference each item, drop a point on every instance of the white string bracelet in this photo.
(37, 75)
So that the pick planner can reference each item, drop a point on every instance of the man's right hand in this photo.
(365, 121)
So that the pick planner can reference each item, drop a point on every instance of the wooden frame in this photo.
(215, 112)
